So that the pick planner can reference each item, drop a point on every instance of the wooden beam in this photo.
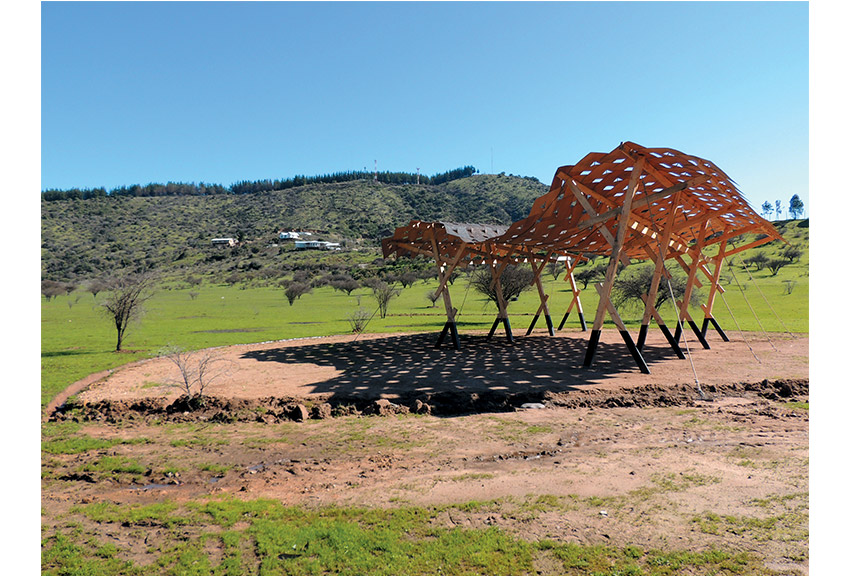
(696, 254)
(449, 270)
(659, 265)
(611, 272)
(624, 333)
(543, 308)
(642, 202)
(592, 212)
(451, 311)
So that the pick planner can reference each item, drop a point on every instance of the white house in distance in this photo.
(316, 245)
(292, 235)
(224, 241)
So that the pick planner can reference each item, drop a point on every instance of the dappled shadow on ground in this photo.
(410, 366)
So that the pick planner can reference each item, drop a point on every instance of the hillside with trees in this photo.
(87, 236)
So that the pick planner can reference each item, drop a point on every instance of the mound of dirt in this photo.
(270, 410)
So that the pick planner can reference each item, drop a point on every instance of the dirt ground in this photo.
(710, 451)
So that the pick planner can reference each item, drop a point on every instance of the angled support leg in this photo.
(715, 288)
(674, 342)
(649, 301)
(684, 315)
(713, 322)
(502, 317)
(543, 308)
(610, 274)
(451, 312)
(624, 333)
(576, 301)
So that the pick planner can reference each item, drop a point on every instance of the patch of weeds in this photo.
(634, 561)
(472, 476)
(75, 445)
(172, 470)
(259, 442)
(532, 506)
(789, 526)
(59, 429)
(216, 469)
(364, 433)
(751, 457)
(114, 465)
(516, 431)
(695, 422)
(164, 514)
(660, 484)
(682, 481)
(796, 406)
(60, 555)
(83, 443)
(783, 499)
(199, 441)
(475, 506)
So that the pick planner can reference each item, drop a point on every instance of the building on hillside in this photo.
(316, 245)
(224, 241)
(289, 236)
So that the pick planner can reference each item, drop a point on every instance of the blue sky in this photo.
(222, 92)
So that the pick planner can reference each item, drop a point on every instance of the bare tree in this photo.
(347, 285)
(383, 293)
(125, 302)
(759, 260)
(198, 368)
(630, 287)
(792, 253)
(555, 268)
(96, 286)
(51, 289)
(432, 297)
(514, 281)
(294, 291)
(588, 274)
(775, 264)
(358, 320)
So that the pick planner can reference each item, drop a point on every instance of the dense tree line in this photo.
(252, 187)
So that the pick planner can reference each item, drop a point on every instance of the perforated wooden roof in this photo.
(668, 179)
(581, 211)
(480, 242)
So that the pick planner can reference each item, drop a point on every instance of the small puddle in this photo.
(155, 487)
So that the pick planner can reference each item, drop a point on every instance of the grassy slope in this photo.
(85, 239)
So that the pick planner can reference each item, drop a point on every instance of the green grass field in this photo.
(78, 340)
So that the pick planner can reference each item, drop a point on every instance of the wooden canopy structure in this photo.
(458, 245)
(633, 203)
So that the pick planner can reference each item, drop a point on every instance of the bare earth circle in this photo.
(390, 366)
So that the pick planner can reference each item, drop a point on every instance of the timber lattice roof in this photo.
(580, 212)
